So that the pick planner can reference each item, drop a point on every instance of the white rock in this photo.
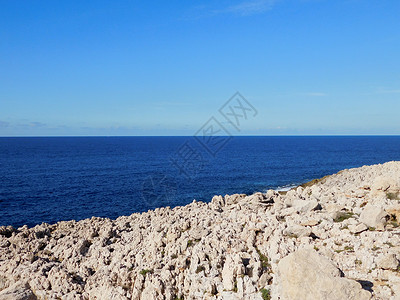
(18, 291)
(297, 231)
(307, 275)
(358, 228)
(304, 206)
(388, 262)
(374, 216)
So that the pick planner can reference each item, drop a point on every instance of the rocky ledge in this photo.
(334, 238)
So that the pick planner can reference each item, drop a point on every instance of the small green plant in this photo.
(235, 288)
(265, 294)
(316, 248)
(191, 242)
(145, 271)
(389, 244)
(199, 269)
(341, 216)
(371, 228)
(173, 256)
(349, 248)
(264, 260)
(392, 196)
(292, 236)
(375, 248)
(358, 262)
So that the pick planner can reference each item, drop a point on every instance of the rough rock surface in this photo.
(235, 247)
(307, 275)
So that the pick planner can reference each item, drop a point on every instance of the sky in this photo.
(308, 67)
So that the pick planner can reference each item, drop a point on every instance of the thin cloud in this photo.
(4, 124)
(243, 8)
(248, 8)
(37, 124)
(171, 103)
(316, 94)
(388, 92)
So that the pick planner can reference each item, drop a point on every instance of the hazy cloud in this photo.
(316, 94)
(37, 124)
(384, 91)
(243, 8)
(252, 7)
(4, 124)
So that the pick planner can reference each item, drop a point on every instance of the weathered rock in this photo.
(374, 216)
(303, 206)
(297, 231)
(305, 274)
(358, 228)
(388, 262)
(384, 183)
(7, 231)
(394, 212)
(311, 222)
(18, 291)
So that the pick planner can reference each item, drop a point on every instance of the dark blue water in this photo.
(53, 179)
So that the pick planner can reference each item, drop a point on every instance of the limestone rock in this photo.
(388, 262)
(384, 183)
(311, 222)
(297, 231)
(374, 216)
(304, 206)
(305, 274)
(18, 291)
(358, 228)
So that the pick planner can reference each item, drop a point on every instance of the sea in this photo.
(50, 179)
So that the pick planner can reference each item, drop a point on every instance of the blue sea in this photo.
(49, 179)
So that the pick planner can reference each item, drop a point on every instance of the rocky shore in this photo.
(334, 238)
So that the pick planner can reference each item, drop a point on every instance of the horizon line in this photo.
(247, 135)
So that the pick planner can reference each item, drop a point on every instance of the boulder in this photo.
(18, 291)
(269, 198)
(388, 262)
(384, 184)
(358, 228)
(310, 222)
(233, 199)
(374, 216)
(304, 206)
(297, 231)
(305, 274)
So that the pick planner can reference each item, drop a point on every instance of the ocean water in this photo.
(64, 178)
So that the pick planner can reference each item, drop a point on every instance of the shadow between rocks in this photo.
(366, 285)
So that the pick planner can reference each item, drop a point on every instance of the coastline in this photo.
(234, 247)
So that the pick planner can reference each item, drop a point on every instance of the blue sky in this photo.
(166, 67)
